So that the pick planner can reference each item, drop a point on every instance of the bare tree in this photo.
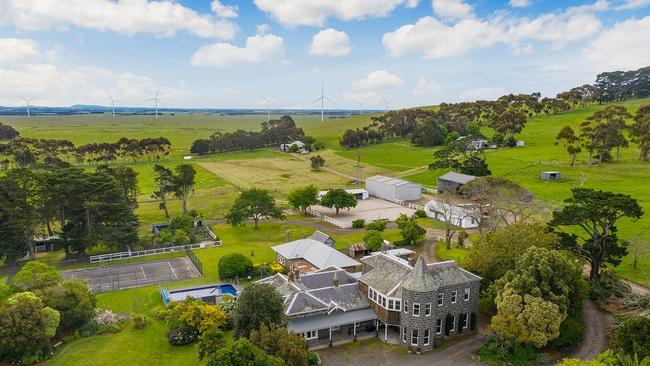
(638, 248)
(447, 208)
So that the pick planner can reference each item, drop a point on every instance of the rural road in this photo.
(597, 326)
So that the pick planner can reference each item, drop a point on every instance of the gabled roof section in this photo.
(304, 302)
(420, 279)
(388, 180)
(325, 278)
(316, 253)
(321, 237)
(457, 177)
(346, 297)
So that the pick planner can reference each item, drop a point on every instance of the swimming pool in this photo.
(206, 293)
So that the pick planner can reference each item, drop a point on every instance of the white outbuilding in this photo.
(459, 215)
(392, 189)
(359, 193)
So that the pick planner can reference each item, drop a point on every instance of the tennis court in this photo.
(122, 276)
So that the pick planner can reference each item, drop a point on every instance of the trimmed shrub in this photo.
(110, 328)
(358, 224)
(313, 359)
(139, 321)
(420, 213)
(182, 336)
(209, 342)
(88, 329)
(234, 265)
(379, 225)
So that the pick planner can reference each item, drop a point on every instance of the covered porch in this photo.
(337, 328)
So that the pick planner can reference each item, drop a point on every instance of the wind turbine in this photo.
(322, 99)
(113, 103)
(386, 101)
(157, 101)
(28, 106)
(268, 107)
(361, 105)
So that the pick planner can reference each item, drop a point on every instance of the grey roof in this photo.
(321, 237)
(304, 302)
(388, 180)
(457, 177)
(346, 297)
(420, 279)
(315, 252)
(386, 273)
(448, 273)
(300, 325)
(320, 279)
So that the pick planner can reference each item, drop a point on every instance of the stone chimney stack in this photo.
(335, 280)
(296, 274)
(290, 274)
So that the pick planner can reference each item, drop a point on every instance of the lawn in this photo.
(455, 253)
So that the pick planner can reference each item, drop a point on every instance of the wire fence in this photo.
(147, 252)
(195, 260)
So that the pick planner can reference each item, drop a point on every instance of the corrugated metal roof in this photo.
(388, 180)
(301, 325)
(315, 252)
(457, 177)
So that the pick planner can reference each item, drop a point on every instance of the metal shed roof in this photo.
(388, 180)
(457, 177)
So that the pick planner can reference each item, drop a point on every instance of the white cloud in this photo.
(263, 28)
(412, 3)
(330, 42)
(258, 48)
(452, 9)
(378, 80)
(488, 93)
(520, 3)
(368, 98)
(633, 4)
(316, 12)
(625, 46)
(53, 86)
(224, 11)
(128, 17)
(428, 88)
(18, 50)
(435, 39)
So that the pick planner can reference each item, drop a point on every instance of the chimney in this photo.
(296, 274)
(335, 280)
(290, 274)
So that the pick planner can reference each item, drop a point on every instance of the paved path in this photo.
(597, 325)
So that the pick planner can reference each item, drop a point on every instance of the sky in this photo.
(233, 54)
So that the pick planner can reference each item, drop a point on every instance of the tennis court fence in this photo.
(147, 252)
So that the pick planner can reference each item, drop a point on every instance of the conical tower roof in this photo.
(420, 279)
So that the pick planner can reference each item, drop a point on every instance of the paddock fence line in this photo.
(331, 220)
(410, 205)
(195, 260)
(211, 233)
(147, 252)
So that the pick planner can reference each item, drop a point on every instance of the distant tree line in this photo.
(622, 85)
(272, 133)
(85, 208)
(7, 132)
(607, 130)
(24, 152)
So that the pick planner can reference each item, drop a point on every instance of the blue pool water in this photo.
(206, 293)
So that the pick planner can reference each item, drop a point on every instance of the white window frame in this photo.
(466, 321)
(310, 334)
(403, 334)
(427, 309)
(439, 326)
(416, 305)
(454, 296)
(441, 299)
(466, 294)
(414, 335)
(453, 324)
(426, 337)
(406, 306)
(398, 305)
(281, 260)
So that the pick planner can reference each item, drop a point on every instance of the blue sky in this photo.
(231, 54)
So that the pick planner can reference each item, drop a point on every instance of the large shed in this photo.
(393, 189)
(452, 181)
